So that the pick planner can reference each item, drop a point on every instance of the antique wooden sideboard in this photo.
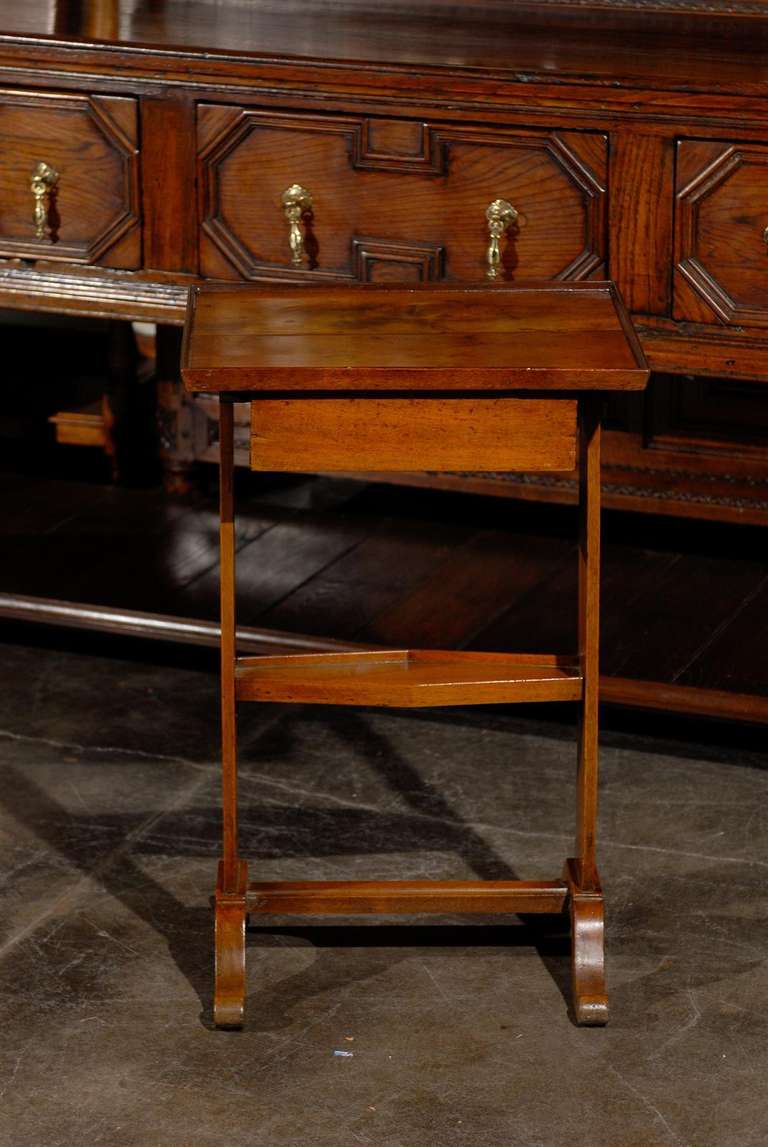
(146, 146)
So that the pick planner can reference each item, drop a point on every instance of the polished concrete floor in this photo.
(400, 1035)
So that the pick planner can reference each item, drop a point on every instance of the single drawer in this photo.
(721, 233)
(391, 434)
(69, 178)
(367, 199)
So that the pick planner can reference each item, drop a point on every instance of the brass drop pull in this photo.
(296, 203)
(765, 236)
(500, 214)
(44, 180)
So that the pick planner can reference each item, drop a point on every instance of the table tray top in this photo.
(533, 336)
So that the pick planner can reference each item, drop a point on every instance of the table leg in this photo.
(231, 913)
(586, 899)
(230, 893)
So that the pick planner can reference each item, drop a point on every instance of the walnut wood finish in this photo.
(229, 331)
(590, 998)
(168, 172)
(91, 142)
(721, 241)
(369, 897)
(641, 207)
(407, 678)
(343, 434)
(228, 648)
(230, 906)
(231, 911)
(382, 337)
(724, 46)
(385, 194)
(589, 639)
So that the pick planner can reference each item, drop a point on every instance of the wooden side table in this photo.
(438, 377)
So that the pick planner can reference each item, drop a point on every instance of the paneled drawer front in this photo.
(395, 199)
(721, 248)
(69, 178)
(372, 433)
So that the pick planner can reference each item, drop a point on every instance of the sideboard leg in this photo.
(174, 414)
(128, 411)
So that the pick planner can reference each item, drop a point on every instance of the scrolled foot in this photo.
(229, 993)
(590, 998)
(591, 1011)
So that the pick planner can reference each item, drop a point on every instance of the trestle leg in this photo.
(231, 911)
(590, 998)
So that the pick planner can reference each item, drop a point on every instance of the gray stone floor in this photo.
(409, 1035)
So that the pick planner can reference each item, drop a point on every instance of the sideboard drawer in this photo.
(395, 199)
(721, 233)
(68, 178)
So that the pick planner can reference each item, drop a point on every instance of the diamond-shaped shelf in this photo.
(408, 678)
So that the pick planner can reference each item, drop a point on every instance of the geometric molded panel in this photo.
(721, 253)
(92, 144)
(395, 198)
(378, 261)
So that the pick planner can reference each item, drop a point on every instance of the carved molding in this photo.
(224, 134)
(427, 258)
(593, 254)
(430, 160)
(222, 144)
(97, 294)
(96, 111)
(700, 278)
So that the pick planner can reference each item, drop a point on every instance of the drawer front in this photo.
(401, 434)
(721, 253)
(69, 178)
(395, 199)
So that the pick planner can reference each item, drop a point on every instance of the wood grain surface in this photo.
(392, 203)
(371, 433)
(433, 337)
(711, 48)
(92, 142)
(349, 897)
(408, 678)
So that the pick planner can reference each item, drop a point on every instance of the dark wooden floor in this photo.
(685, 606)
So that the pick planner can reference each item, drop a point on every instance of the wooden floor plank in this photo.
(735, 660)
(468, 591)
(367, 580)
(277, 563)
(542, 615)
(675, 617)
(34, 505)
(125, 567)
(629, 573)
(110, 545)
